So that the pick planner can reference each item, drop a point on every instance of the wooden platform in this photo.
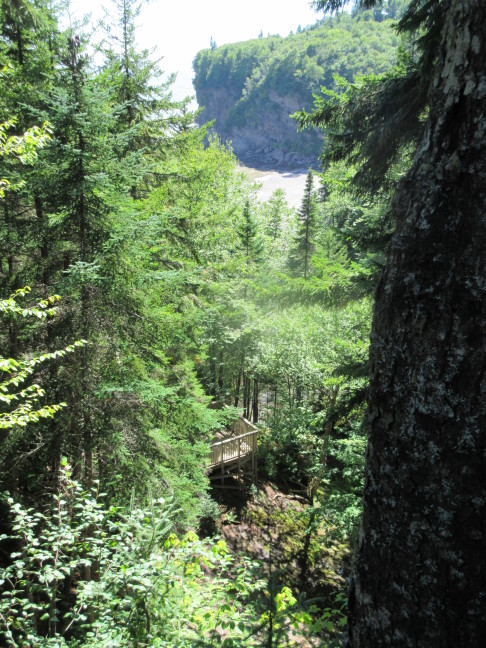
(235, 455)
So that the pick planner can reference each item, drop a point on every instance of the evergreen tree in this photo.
(71, 199)
(425, 490)
(27, 70)
(146, 116)
(303, 247)
(251, 244)
(119, 210)
(276, 208)
(250, 241)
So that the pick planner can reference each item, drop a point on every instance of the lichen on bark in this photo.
(420, 579)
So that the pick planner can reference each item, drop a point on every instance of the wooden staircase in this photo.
(235, 455)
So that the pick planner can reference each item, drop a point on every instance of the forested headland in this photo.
(149, 301)
(251, 88)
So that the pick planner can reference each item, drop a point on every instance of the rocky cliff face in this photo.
(267, 137)
(250, 88)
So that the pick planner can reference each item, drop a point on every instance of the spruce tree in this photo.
(26, 72)
(303, 246)
(250, 241)
(147, 118)
(277, 209)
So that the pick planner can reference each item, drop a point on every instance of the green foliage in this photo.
(123, 214)
(291, 449)
(342, 506)
(130, 581)
(86, 574)
(376, 121)
(13, 391)
(179, 282)
(259, 75)
(251, 243)
(303, 244)
(20, 397)
(368, 123)
(23, 147)
(276, 214)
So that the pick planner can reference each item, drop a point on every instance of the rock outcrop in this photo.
(250, 89)
(268, 138)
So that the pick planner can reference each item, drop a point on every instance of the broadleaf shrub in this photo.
(84, 574)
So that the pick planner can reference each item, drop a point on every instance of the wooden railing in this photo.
(233, 448)
(235, 452)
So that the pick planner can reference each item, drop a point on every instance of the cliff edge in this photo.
(250, 89)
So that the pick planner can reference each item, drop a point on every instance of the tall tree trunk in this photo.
(298, 395)
(213, 371)
(246, 396)
(420, 579)
(18, 37)
(306, 253)
(255, 401)
(43, 238)
(238, 379)
(237, 389)
(81, 212)
(220, 373)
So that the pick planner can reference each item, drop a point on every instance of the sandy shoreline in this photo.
(292, 182)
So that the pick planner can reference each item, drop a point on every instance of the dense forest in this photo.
(251, 88)
(149, 302)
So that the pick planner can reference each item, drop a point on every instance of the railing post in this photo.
(256, 456)
(222, 464)
(239, 458)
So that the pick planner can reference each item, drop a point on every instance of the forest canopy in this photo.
(144, 287)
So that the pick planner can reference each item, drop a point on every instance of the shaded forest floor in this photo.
(273, 526)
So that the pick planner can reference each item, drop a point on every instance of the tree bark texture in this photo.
(420, 577)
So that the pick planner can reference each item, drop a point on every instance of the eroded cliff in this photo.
(251, 89)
